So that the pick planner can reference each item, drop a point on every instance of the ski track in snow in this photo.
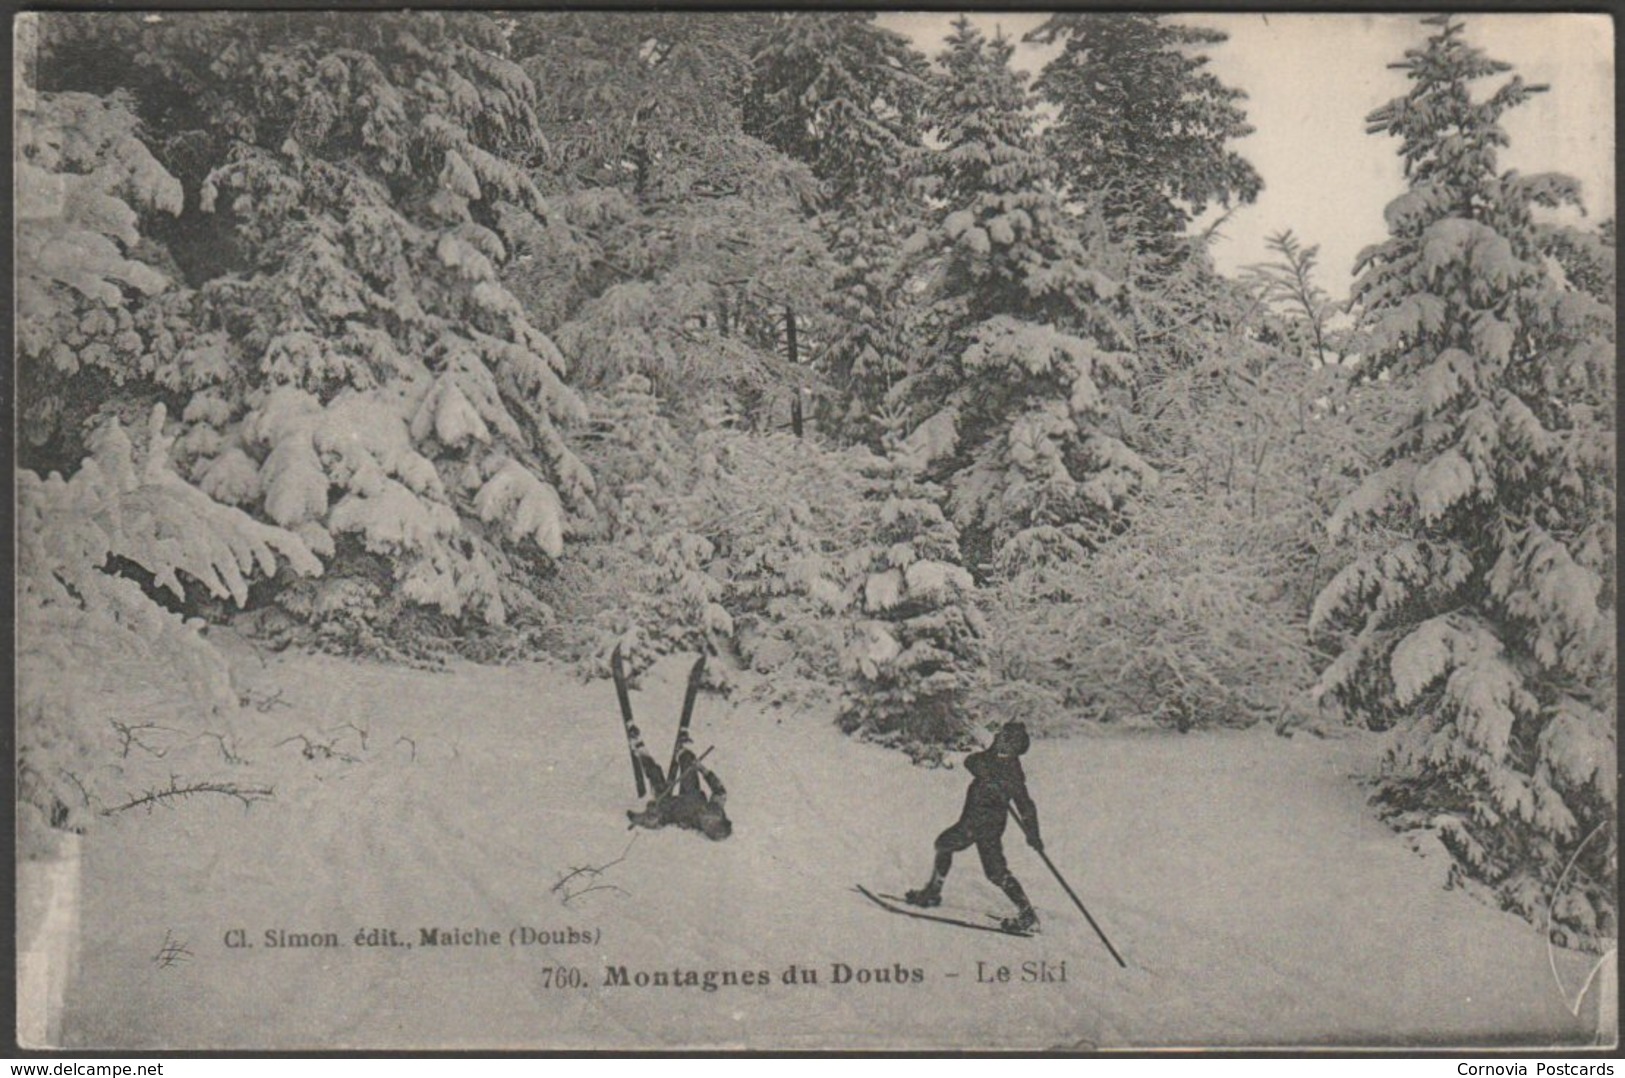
(1241, 876)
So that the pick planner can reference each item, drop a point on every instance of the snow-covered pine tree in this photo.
(1142, 144)
(1299, 310)
(1481, 624)
(1195, 613)
(730, 540)
(868, 350)
(84, 627)
(96, 549)
(695, 235)
(1011, 402)
(636, 456)
(83, 179)
(702, 317)
(916, 653)
(635, 99)
(350, 364)
(845, 96)
(786, 515)
(1142, 127)
(643, 581)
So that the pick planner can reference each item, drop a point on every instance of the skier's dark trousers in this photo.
(997, 781)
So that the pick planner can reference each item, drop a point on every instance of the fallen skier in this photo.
(679, 799)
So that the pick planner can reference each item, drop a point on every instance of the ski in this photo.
(694, 675)
(922, 915)
(633, 737)
(899, 900)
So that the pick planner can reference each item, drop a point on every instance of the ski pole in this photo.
(1072, 894)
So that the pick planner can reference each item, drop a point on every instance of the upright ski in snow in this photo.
(633, 737)
(922, 915)
(694, 675)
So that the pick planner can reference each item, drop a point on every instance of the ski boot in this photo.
(1024, 921)
(926, 896)
(649, 817)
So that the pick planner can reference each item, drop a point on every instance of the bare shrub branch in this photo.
(176, 792)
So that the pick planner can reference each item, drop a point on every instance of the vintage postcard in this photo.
(815, 531)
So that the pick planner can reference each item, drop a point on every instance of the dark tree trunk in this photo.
(792, 351)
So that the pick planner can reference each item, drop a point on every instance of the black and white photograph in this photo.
(815, 531)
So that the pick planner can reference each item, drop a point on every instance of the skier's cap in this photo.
(1015, 737)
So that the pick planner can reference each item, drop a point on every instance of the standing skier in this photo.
(678, 797)
(997, 781)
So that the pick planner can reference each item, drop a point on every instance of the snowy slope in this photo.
(1240, 874)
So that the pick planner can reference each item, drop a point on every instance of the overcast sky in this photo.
(1312, 79)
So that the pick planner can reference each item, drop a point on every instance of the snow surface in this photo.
(1253, 894)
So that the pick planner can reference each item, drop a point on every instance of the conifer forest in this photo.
(900, 382)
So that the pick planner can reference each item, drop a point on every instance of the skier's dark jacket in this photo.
(996, 781)
(684, 807)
